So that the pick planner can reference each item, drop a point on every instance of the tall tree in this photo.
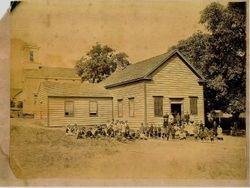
(226, 64)
(194, 48)
(221, 55)
(99, 63)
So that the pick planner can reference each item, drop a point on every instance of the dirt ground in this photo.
(40, 152)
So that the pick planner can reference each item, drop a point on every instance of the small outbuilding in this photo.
(60, 104)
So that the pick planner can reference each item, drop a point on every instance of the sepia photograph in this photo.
(124, 93)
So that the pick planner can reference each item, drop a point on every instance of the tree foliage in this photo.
(194, 49)
(220, 55)
(99, 63)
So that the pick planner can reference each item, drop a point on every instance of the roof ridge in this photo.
(142, 61)
(143, 69)
(65, 89)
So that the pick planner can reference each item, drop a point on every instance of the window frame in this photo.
(191, 105)
(73, 110)
(129, 100)
(31, 56)
(155, 109)
(118, 109)
(93, 115)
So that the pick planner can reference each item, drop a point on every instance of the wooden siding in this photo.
(81, 111)
(41, 106)
(31, 86)
(174, 80)
(125, 92)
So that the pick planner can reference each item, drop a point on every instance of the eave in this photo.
(127, 82)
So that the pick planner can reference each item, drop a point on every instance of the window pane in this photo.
(93, 108)
(131, 107)
(69, 108)
(31, 56)
(120, 108)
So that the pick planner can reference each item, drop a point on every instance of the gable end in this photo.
(184, 60)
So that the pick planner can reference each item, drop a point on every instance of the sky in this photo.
(4, 5)
(65, 30)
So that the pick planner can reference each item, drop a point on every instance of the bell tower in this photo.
(31, 57)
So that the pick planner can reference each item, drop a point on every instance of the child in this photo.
(146, 130)
(126, 130)
(142, 128)
(182, 134)
(155, 132)
(219, 133)
(196, 132)
(81, 133)
(89, 133)
(159, 131)
(171, 118)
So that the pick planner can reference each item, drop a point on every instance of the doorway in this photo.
(175, 109)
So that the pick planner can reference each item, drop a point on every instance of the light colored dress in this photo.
(219, 132)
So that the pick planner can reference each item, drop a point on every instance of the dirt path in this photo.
(45, 153)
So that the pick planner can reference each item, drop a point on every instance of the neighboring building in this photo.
(27, 72)
(16, 103)
(16, 94)
(33, 78)
(142, 92)
(60, 104)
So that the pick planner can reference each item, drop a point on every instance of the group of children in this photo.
(121, 130)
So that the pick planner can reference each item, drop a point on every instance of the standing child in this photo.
(215, 128)
(126, 130)
(155, 132)
(159, 131)
(142, 128)
(146, 131)
(171, 119)
(151, 131)
(219, 133)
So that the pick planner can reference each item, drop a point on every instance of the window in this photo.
(193, 105)
(131, 106)
(69, 108)
(120, 107)
(31, 56)
(158, 106)
(93, 108)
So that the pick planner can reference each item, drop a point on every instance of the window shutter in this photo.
(158, 106)
(193, 105)
(131, 107)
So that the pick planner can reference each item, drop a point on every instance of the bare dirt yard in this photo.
(42, 152)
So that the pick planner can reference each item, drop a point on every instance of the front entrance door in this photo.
(175, 109)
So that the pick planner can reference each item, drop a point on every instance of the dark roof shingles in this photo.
(74, 89)
(142, 69)
(134, 71)
(51, 72)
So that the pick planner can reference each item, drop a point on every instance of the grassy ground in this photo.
(39, 152)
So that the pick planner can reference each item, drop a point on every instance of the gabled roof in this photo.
(143, 69)
(58, 89)
(51, 72)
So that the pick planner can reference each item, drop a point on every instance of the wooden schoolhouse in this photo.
(141, 93)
